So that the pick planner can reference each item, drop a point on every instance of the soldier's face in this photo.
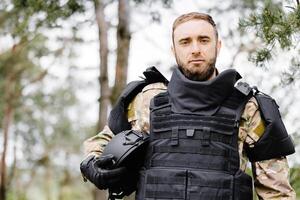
(196, 47)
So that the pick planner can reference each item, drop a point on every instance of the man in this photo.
(204, 129)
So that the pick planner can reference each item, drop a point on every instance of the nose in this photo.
(195, 48)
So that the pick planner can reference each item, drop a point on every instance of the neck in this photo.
(213, 74)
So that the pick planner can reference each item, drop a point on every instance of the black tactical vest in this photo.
(193, 150)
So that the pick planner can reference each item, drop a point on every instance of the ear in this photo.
(172, 49)
(219, 45)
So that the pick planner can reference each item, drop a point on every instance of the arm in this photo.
(92, 167)
(271, 179)
(138, 116)
(95, 145)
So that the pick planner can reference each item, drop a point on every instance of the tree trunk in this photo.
(123, 44)
(8, 116)
(13, 169)
(104, 99)
(123, 41)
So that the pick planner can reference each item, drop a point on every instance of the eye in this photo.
(204, 41)
(184, 42)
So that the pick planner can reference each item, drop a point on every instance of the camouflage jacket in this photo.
(270, 176)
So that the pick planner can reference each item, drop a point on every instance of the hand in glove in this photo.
(96, 170)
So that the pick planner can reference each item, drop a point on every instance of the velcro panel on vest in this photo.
(165, 184)
(209, 185)
(170, 156)
(275, 141)
(220, 122)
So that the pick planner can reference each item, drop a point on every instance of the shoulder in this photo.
(144, 97)
(155, 86)
(266, 130)
(135, 92)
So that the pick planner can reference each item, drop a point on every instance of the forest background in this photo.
(63, 64)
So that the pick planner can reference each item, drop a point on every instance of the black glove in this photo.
(96, 170)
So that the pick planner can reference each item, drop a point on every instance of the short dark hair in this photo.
(191, 16)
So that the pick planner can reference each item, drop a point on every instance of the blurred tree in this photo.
(108, 96)
(22, 23)
(47, 132)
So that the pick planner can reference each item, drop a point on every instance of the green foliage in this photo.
(43, 126)
(12, 195)
(276, 27)
(261, 56)
(295, 179)
(27, 17)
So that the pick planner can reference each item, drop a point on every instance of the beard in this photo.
(206, 71)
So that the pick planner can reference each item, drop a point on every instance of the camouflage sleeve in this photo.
(138, 110)
(96, 144)
(138, 116)
(271, 177)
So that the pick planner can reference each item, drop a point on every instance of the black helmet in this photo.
(128, 148)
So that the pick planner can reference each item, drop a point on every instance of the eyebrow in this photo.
(184, 39)
(204, 37)
(199, 37)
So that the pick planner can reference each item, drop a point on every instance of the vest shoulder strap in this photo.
(275, 141)
(243, 92)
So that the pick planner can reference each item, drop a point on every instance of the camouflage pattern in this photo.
(96, 144)
(270, 177)
(138, 110)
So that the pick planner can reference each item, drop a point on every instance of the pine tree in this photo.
(278, 27)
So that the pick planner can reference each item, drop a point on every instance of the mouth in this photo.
(195, 61)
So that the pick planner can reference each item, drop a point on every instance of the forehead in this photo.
(193, 28)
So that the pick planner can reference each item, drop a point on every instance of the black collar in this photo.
(200, 97)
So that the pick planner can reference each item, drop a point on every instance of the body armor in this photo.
(193, 149)
(275, 141)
